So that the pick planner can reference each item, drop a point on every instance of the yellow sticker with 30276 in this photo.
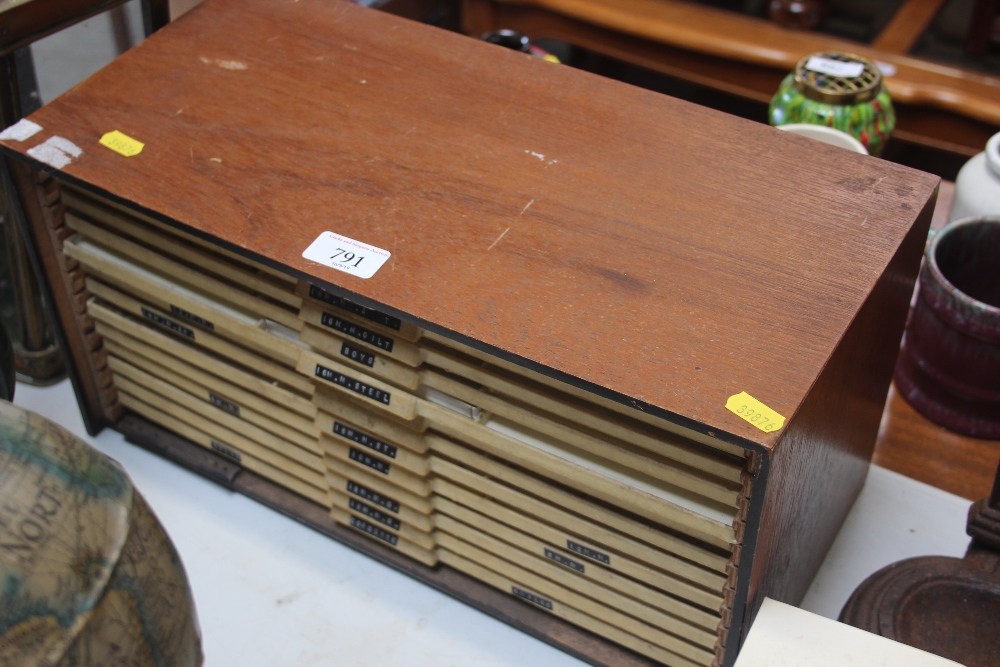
(753, 411)
(121, 143)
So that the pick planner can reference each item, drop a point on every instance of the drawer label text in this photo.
(373, 497)
(351, 307)
(361, 438)
(360, 356)
(227, 451)
(359, 332)
(562, 560)
(169, 324)
(368, 460)
(180, 312)
(374, 531)
(373, 514)
(531, 597)
(222, 403)
(354, 385)
(588, 552)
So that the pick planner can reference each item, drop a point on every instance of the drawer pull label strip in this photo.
(352, 384)
(180, 312)
(169, 324)
(531, 597)
(368, 441)
(222, 403)
(562, 560)
(370, 461)
(351, 307)
(227, 451)
(360, 356)
(374, 531)
(373, 497)
(359, 332)
(373, 514)
(588, 552)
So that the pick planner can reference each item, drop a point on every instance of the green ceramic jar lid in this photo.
(838, 78)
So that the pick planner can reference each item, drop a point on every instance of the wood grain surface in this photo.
(647, 248)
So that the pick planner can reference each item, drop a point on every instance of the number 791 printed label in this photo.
(347, 255)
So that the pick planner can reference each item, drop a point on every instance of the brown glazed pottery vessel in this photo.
(949, 365)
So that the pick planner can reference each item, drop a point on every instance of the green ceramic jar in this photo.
(838, 90)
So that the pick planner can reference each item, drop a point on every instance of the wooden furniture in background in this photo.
(565, 250)
(938, 106)
(21, 24)
(911, 445)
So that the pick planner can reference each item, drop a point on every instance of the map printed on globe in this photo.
(88, 577)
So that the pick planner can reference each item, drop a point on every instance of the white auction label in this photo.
(834, 67)
(347, 255)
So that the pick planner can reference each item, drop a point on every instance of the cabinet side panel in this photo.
(43, 212)
(819, 466)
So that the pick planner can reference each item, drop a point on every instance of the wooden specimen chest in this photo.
(478, 315)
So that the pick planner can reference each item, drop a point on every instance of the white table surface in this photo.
(272, 592)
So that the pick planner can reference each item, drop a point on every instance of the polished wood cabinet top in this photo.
(646, 248)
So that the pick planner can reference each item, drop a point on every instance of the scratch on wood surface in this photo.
(864, 223)
(271, 39)
(191, 151)
(498, 239)
(526, 207)
(180, 111)
(232, 65)
(216, 160)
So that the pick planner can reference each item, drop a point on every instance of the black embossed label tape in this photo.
(180, 312)
(588, 552)
(370, 461)
(374, 531)
(351, 307)
(531, 597)
(350, 383)
(356, 355)
(364, 439)
(166, 323)
(562, 560)
(222, 403)
(359, 332)
(374, 514)
(373, 497)
(227, 451)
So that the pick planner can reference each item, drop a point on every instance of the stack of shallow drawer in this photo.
(451, 455)
(200, 341)
(440, 451)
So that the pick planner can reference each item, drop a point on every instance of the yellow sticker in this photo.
(122, 143)
(755, 412)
